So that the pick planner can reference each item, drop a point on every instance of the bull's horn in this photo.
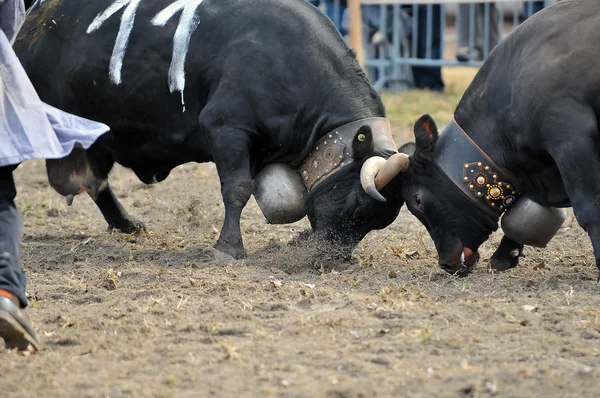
(367, 176)
(70, 198)
(377, 172)
(396, 164)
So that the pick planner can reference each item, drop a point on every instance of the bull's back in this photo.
(554, 55)
(152, 56)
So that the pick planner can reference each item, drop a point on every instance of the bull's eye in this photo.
(417, 200)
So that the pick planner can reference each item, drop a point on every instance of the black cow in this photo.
(243, 84)
(525, 129)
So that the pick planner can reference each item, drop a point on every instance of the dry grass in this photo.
(403, 110)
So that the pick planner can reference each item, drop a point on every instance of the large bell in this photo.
(280, 193)
(529, 223)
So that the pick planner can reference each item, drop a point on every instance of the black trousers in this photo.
(12, 276)
(429, 77)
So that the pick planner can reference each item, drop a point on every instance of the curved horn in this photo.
(367, 176)
(396, 164)
(377, 172)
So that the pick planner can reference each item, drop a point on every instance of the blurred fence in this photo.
(396, 36)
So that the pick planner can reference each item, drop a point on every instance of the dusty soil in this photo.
(156, 316)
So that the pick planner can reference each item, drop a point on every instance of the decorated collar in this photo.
(334, 150)
(465, 163)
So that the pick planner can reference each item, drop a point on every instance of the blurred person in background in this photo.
(340, 18)
(428, 77)
(463, 29)
(531, 7)
(424, 77)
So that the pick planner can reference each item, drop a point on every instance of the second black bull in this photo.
(523, 144)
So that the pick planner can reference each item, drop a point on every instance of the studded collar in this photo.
(472, 170)
(334, 150)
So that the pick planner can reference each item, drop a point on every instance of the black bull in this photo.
(240, 83)
(532, 112)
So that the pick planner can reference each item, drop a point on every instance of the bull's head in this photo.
(457, 225)
(362, 196)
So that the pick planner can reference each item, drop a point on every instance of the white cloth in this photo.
(29, 128)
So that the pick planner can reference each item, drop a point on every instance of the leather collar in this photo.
(472, 170)
(334, 150)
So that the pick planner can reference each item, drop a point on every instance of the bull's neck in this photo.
(335, 151)
(474, 171)
(336, 106)
(342, 109)
(337, 113)
(349, 98)
(484, 119)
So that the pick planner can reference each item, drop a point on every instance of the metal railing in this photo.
(397, 36)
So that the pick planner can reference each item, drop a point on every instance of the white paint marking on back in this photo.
(181, 42)
(188, 22)
(104, 15)
(116, 60)
(163, 17)
(33, 6)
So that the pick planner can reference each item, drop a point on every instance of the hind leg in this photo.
(576, 151)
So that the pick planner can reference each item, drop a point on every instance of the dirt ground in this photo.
(156, 316)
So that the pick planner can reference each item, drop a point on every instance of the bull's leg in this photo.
(506, 255)
(231, 154)
(577, 155)
(114, 213)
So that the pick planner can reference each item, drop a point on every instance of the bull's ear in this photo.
(426, 134)
(362, 144)
(408, 148)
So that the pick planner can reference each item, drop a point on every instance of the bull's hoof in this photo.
(502, 261)
(226, 251)
(128, 226)
(506, 255)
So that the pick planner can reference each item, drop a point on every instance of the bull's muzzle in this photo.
(461, 262)
(377, 172)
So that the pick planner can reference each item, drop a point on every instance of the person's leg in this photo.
(15, 328)
(493, 32)
(531, 7)
(538, 6)
(462, 28)
(429, 77)
(337, 18)
(463, 52)
(12, 276)
(494, 27)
